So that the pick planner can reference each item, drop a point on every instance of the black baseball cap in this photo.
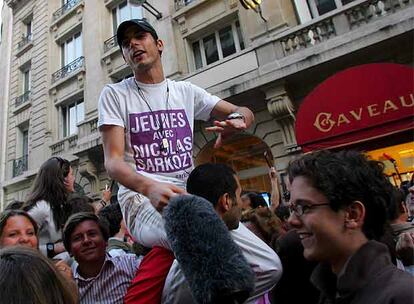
(141, 23)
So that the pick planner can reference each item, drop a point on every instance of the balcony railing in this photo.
(25, 40)
(65, 144)
(181, 3)
(19, 166)
(68, 69)
(65, 8)
(110, 43)
(22, 98)
(326, 27)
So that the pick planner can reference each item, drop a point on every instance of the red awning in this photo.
(358, 104)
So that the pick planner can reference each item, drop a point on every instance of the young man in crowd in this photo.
(147, 122)
(339, 204)
(100, 277)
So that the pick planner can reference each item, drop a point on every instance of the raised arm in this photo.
(275, 195)
(114, 144)
(223, 125)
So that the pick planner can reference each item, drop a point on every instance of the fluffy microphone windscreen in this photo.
(211, 261)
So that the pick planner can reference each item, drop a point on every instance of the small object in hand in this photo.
(235, 115)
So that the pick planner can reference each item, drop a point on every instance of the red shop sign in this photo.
(357, 104)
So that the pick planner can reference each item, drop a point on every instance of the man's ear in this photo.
(224, 203)
(160, 45)
(354, 215)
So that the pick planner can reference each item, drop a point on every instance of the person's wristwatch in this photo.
(50, 249)
(103, 203)
(235, 115)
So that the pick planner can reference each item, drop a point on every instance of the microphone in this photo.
(212, 263)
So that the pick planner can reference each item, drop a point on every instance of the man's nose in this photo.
(133, 42)
(86, 239)
(294, 220)
(24, 239)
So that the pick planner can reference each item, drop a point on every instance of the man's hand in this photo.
(64, 269)
(160, 193)
(405, 248)
(106, 194)
(226, 127)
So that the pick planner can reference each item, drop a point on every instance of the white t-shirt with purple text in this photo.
(172, 104)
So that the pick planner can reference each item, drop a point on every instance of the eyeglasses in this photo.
(299, 210)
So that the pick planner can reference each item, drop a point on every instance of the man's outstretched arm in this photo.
(224, 125)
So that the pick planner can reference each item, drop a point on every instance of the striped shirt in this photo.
(110, 285)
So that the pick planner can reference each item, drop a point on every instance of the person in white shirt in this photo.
(147, 121)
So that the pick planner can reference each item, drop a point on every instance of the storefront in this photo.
(368, 107)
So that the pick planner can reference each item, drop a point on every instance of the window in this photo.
(72, 115)
(218, 45)
(125, 11)
(20, 162)
(306, 10)
(25, 142)
(28, 26)
(26, 80)
(72, 49)
(26, 32)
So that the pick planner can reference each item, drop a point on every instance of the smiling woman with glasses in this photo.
(299, 209)
(345, 235)
(46, 203)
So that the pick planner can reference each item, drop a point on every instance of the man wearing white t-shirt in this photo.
(147, 121)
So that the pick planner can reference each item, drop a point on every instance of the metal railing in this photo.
(110, 43)
(68, 69)
(20, 165)
(65, 8)
(25, 40)
(22, 98)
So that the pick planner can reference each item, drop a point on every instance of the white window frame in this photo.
(23, 142)
(307, 9)
(66, 118)
(29, 27)
(116, 13)
(76, 42)
(26, 80)
(218, 43)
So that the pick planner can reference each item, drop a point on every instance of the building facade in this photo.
(269, 59)
(5, 55)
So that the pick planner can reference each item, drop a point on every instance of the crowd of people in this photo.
(176, 233)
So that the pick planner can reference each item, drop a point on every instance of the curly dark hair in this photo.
(113, 215)
(347, 176)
